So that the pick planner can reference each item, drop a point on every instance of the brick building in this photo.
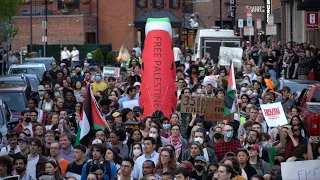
(119, 22)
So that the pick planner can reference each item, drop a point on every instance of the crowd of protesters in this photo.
(155, 147)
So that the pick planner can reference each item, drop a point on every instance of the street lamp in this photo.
(46, 30)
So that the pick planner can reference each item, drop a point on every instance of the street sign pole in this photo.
(241, 34)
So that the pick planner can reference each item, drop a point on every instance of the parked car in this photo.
(5, 116)
(45, 60)
(16, 96)
(29, 68)
(295, 85)
(309, 102)
(16, 79)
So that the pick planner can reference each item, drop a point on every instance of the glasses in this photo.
(295, 130)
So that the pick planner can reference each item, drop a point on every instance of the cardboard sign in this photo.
(190, 104)
(111, 71)
(215, 110)
(227, 54)
(274, 114)
(300, 170)
(15, 177)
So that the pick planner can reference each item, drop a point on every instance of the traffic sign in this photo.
(240, 23)
(312, 20)
(258, 21)
(271, 19)
(271, 29)
(249, 21)
(248, 31)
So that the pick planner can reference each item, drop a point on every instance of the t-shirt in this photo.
(98, 87)
(31, 166)
(270, 59)
(65, 54)
(75, 55)
(63, 165)
(74, 170)
(176, 53)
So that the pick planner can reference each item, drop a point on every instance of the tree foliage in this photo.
(98, 56)
(111, 58)
(8, 8)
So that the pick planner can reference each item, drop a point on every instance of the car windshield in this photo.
(28, 70)
(34, 84)
(316, 96)
(15, 100)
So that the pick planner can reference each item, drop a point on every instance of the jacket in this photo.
(212, 155)
(41, 164)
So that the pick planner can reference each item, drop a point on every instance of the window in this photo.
(91, 38)
(142, 3)
(158, 4)
(316, 96)
(75, 5)
(174, 4)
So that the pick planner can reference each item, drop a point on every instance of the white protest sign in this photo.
(300, 170)
(227, 54)
(211, 80)
(111, 71)
(130, 104)
(274, 114)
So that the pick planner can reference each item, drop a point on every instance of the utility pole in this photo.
(31, 26)
(221, 21)
(46, 31)
(291, 21)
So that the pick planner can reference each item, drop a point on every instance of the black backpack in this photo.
(105, 165)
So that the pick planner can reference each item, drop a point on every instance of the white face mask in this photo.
(136, 152)
(198, 139)
(243, 89)
(249, 93)
(199, 91)
(153, 135)
(254, 94)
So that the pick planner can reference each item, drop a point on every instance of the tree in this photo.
(8, 9)
(111, 58)
(98, 56)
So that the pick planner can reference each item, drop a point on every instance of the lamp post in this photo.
(221, 21)
(31, 26)
(46, 30)
(291, 21)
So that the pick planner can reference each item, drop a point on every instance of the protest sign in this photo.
(274, 114)
(227, 54)
(130, 104)
(190, 104)
(15, 177)
(211, 80)
(300, 170)
(111, 71)
(215, 110)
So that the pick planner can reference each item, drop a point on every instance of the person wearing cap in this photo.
(118, 123)
(243, 157)
(260, 165)
(130, 96)
(89, 59)
(24, 147)
(65, 56)
(137, 112)
(133, 56)
(200, 165)
(137, 85)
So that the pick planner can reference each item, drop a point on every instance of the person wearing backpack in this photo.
(98, 163)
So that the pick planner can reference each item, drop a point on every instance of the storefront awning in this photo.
(309, 5)
(142, 19)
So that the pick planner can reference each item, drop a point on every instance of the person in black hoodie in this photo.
(243, 158)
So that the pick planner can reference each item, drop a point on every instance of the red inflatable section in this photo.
(158, 88)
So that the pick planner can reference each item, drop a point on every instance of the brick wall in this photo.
(209, 11)
(61, 29)
(276, 4)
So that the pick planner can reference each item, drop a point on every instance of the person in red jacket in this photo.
(25, 122)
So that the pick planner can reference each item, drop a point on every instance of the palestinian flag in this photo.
(91, 118)
(229, 100)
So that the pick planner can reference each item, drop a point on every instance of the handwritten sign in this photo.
(215, 110)
(301, 170)
(111, 71)
(274, 114)
(227, 54)
(130, 104)
(190, 104)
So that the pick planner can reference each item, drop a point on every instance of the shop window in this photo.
(142, 3)
(75, 5)
(158, 4)
(175, 4)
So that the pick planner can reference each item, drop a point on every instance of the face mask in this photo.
(28, 119)
(254, 94)
(198, 139)
(129, 130)
(243, 89)
(137, 152)
(86, 64)
(249, 93)
(199, 167)
(199, 91)
(153, 135)
(166, 126)
(41, 93)
(98, 78)
(229, 134)
(222, 74)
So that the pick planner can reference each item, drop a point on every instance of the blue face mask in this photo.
(98, 78)
(229, 134)
(166, 126)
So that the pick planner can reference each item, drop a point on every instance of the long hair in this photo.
(53, 162)
(158, 140)
(131, 149)
(235, 164)
(172, 165)
(116, 158)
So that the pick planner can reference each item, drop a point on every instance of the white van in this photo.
(210, 40)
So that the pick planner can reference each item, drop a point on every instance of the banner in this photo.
(111, 71)
(212, 108)
(227, 54)
(300, 170)
(274, 114)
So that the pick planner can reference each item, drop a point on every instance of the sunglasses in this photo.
(295, 130)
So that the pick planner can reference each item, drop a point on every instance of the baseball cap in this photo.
(109, 117)
(62, 64)
(116, 114)
(200, 158)
(137, 84)
(136, 109)
(130, 122)
(89, 56)
(24, 139)
(96, 141)
(40, 88)
(254, 147)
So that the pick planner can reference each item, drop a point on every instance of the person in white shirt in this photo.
(149, 154)
(74, 57)
(13, 147)
(65, 56)
(137, 49)
(177, 55)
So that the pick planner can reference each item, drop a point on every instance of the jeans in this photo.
(74, 63)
